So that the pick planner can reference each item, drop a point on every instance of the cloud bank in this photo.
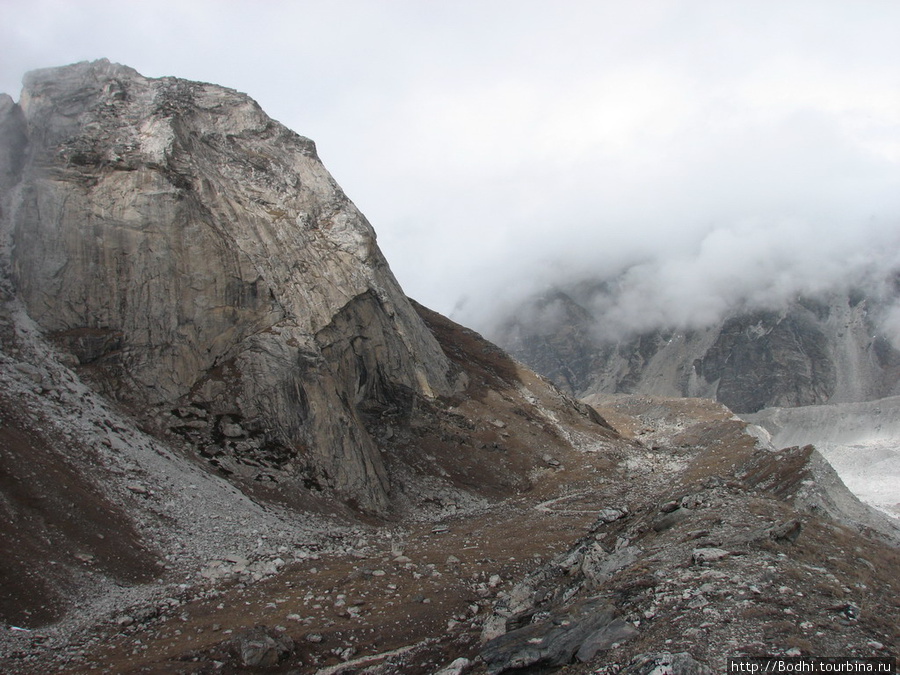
(704, 153)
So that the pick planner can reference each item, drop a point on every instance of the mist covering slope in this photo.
(815, 349)
(821, 370)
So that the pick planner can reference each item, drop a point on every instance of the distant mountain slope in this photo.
(861, 441)
(815, 350)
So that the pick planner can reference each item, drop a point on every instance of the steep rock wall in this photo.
(186, 249)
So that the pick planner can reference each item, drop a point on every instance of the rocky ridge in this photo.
(723, 560)
(859, 439)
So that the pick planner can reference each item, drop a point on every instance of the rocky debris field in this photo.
(696, 546)
(116, 527)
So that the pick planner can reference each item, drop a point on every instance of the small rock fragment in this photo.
(671, 664)
(706, 555)
(610, 515)
(788, 531)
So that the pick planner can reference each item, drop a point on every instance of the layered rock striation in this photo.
(193, 256)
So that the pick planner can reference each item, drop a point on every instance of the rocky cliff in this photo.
(814, 350)
(192, 256)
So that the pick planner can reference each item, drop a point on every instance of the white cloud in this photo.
(716, 148)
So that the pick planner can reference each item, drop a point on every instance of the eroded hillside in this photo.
(693, 538)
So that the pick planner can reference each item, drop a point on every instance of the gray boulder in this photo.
(262, 647)
(584, 627)
(670, 664)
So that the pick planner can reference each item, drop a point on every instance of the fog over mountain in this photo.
(704, 154)
(738, 222)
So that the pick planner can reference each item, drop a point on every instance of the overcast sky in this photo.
(715, 149)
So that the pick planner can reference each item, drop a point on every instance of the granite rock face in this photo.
(190, 253)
